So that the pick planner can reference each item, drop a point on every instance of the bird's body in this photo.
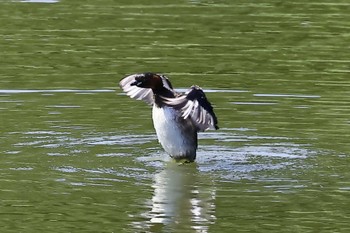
(176, 117)
(177, 136)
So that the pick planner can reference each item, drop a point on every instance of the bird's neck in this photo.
(163, 92)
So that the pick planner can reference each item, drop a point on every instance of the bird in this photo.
(177, 117)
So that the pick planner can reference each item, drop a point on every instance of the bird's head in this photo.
(147, 80)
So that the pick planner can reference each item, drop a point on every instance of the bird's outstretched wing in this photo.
(194, 104)
(135, 92)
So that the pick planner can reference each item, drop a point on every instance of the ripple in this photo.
(253, 103)
(39, 1)
(215, 90)
(287, 95)
(63, 106)
(53, 139)
(230, 154)
(119, 140)
(112, 155)
(67, 169)
(234, 155)
(22, 169)
(82, 91)
(19, 91)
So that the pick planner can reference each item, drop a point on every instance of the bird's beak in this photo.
(136, 83)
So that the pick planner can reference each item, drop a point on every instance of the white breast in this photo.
(177, 136)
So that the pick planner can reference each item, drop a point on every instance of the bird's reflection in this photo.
(182, 199)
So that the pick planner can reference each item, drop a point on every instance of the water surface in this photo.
(77, 155)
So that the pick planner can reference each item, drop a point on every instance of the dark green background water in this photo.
(76, 155)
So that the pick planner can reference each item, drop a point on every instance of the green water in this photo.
(76, 155)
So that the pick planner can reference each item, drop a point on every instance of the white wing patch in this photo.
(195, 105)
(145, 94)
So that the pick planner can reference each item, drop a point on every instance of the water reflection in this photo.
(182, 197)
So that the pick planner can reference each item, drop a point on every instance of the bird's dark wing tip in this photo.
(197, 94)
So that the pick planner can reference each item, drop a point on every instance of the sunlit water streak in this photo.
(38, 1)
(19, 91)
(54, 91)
